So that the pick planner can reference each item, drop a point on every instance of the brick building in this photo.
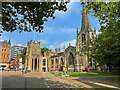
(4, 53)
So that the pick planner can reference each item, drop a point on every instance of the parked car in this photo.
(1, 68)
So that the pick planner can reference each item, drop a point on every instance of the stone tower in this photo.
(33, 57)
(83, 35)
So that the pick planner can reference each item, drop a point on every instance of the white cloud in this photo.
(62, 45)
(74, 0)
(60, 14)
(43, 41)
(55, 30)
(72, 7)
(68, 30)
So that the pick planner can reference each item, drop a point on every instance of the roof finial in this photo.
(94, 29)
(77, 31)
(69, 44)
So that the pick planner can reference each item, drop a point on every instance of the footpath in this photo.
(90, 82)
(49, 76)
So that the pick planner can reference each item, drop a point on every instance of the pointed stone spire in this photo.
(85, 20)
(77, 31)
(9, 42)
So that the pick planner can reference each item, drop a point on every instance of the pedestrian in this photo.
(52, 69)
(66, 72)
(22, 70)
(26, 70)
(78, 68)
(56, 72)
(89, 69)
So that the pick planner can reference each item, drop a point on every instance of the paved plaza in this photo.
(16, 79)
(31, 82)
(101, 81)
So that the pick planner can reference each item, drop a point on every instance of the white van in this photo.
(2, 66)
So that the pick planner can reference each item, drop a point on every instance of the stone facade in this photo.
(73, 57)
(70, 58)
(85, 34)
(47, 55)
(57, 61)
(64, 59)
(33, 57)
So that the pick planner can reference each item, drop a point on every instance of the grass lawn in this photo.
(75, 74)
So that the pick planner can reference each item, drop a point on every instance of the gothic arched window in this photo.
(62, 62)
(56, 62)
(52, 61)
(83, 37)
(92, 36)
(71, 59)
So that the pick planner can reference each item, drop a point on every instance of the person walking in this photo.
(22, 70)
(15, 69)
(52, 69)
(56, 71)
(78, 68)
(89, 69)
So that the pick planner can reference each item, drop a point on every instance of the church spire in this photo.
(85, 20)
(77, 31)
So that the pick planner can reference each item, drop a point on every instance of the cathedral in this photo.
(72, 57)
(83, 35)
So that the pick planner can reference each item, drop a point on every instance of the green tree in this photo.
(34, 14)
(23, 55)
(43, 50)
(106, 47)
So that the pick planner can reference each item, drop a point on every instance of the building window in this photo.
(83, 38)
(4, 55)
(71, 59)
(62, 63)
(44, 62)
(56, 62)
(52, 62)
(92, 36)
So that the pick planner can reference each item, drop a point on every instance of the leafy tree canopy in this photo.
(106, 47)
(43, 50)
(28, 16)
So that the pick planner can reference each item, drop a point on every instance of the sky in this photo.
(58, 32)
